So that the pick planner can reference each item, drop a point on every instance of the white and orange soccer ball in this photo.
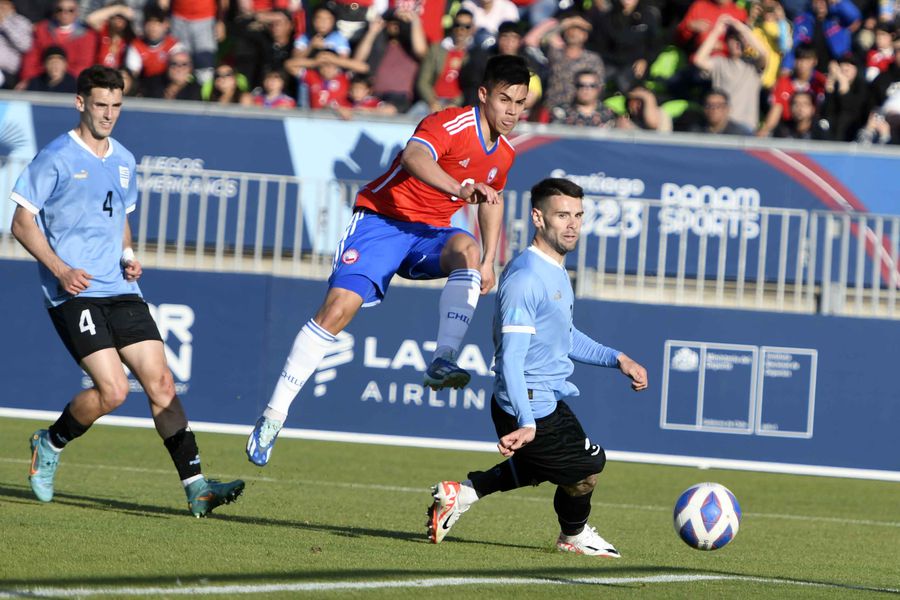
(707, 516)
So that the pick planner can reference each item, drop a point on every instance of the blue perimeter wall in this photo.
(725, 384)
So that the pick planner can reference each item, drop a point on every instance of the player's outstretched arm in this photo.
(634, 371)
(25, 229)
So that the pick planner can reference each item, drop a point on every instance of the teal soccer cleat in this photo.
(44, 460)
(204, 495)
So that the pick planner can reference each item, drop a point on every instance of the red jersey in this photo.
(110, 52)
(154, 58)
(325, 93)
(786, 87)
(455, 140)
(195, 10)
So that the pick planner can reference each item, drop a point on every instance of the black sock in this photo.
(501, 478)
(572, 512)
(183, 449)
(66, 429)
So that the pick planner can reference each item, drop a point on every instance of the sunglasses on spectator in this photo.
(66, 10)
(586, 85)
(463, 25)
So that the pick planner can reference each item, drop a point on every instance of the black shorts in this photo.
(86, 325)
(560, 453)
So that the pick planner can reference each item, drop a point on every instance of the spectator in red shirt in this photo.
(271, 94)
(438, 82)
(113, 26)
(804, 78)
(699, 20)
(148, 56)
(362, 100)
(67, 32)
(880, 57)
(325, 86)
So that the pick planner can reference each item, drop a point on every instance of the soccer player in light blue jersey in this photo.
(71, 216)
(536, 342)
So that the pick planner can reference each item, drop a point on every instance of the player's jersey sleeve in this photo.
(433, 133)
(518, 305)
(588, 351)
(37, 183)
(519, 301)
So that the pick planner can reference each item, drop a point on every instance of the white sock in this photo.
(190, 480)
(467, 493)
(309, 348)
(457, 305)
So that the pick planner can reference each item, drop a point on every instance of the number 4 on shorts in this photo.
(86, 323)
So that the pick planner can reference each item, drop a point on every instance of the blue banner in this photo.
(725, 384)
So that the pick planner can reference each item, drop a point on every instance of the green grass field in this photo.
(337, 520)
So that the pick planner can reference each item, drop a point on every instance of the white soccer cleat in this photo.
(445, 511)
(587, 542)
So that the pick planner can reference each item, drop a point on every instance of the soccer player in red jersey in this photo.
(401, 226)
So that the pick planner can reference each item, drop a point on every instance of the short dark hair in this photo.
(464, 12)
(805, 51)
(153, 12)
(588, 73)
(509, 27)
(98, 76)
(507, 70)
(717, 92)
(553, 186)
(808, 94)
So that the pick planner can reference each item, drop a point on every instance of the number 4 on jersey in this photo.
(107, 204)
(86, 323)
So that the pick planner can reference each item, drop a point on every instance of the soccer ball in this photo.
(707, 516)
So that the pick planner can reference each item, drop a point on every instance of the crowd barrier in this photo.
(668, 218)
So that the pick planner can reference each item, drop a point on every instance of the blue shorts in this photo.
(375, 248)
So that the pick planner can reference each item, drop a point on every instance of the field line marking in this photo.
(411, 583)
(424, 491)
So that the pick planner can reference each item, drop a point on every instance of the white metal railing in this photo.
(636, 250)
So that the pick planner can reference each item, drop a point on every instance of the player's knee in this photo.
(113, 394)
(462, 255)
(334, 316)
(583, 487)
(161, 388)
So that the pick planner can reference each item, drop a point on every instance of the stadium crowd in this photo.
(802, 69)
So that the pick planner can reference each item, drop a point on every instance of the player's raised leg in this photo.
(309, 348)
(147, 361)
(461, 259)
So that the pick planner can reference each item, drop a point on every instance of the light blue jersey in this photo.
(535, 339)
(81, 201)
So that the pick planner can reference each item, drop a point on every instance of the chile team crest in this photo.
(350, 256)
(492, 174)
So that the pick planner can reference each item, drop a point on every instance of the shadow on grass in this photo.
(22, 495)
